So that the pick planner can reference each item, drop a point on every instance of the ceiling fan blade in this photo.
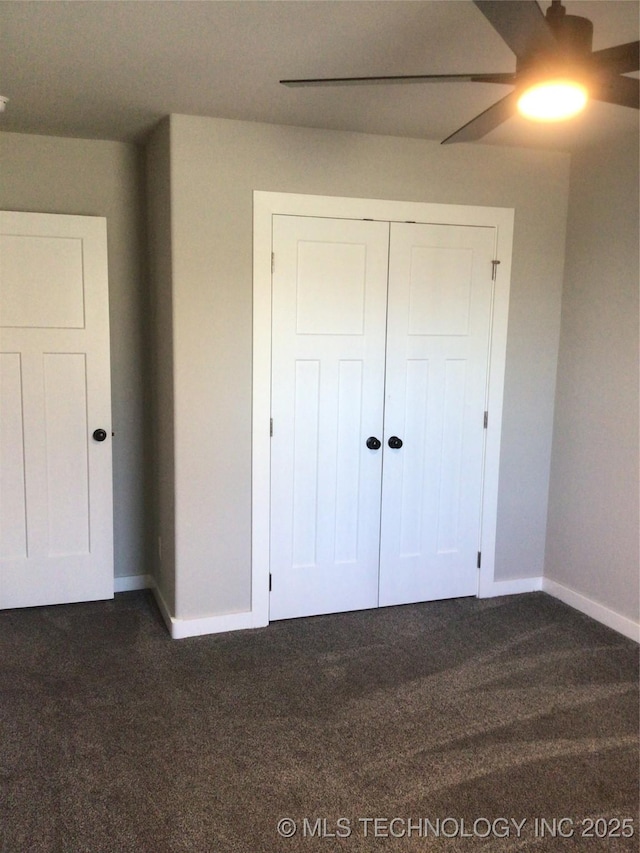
(620, 58)
(403, 78)
(622, 91)
(486, 121)
(521, 24)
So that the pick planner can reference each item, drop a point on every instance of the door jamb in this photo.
(268, 204)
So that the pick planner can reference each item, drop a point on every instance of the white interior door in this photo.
(379, 330)
(439, 317)
(56, 512)
(328, 350)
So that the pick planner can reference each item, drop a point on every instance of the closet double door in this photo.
(380, 345)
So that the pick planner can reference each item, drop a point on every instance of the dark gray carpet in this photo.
(447, 717)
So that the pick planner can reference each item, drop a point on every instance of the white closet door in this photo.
(56, 514)
(440, 295)
(328, 351)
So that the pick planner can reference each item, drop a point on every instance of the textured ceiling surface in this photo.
(111, 70)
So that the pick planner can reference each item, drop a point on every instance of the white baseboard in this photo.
(132, 582)
(516, 586)
(182, 628)
(597, 611)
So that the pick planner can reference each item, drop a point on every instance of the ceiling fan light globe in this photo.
(553, 100)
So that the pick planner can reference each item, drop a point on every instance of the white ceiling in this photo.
(110, 70)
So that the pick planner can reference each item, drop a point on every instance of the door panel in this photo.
(329, 314)
(56, 534)
(13, 523)
(66, 441)
(25, 302)
(440, 294)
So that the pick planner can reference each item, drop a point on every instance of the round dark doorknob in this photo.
(99, 434)
(374, 443)
(395, 442)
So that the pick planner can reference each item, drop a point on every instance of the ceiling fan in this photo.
(552, 50)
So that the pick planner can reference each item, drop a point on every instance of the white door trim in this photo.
(268, 204)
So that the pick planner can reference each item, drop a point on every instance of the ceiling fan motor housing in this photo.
(573, 33)
(574, 37)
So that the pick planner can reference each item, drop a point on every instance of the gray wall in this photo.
(45, 174)
(592, 544)
(161, 505)
(201, 337)
(215, 166)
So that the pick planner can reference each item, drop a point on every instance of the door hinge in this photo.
(273, 262)
(486, 419)
(269, 581)
(494, 266)
(271, 427)
(479, 558)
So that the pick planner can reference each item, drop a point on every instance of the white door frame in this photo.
(268, 204)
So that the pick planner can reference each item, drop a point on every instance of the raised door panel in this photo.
(13, 503)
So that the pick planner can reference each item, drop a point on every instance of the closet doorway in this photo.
(382, 360)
